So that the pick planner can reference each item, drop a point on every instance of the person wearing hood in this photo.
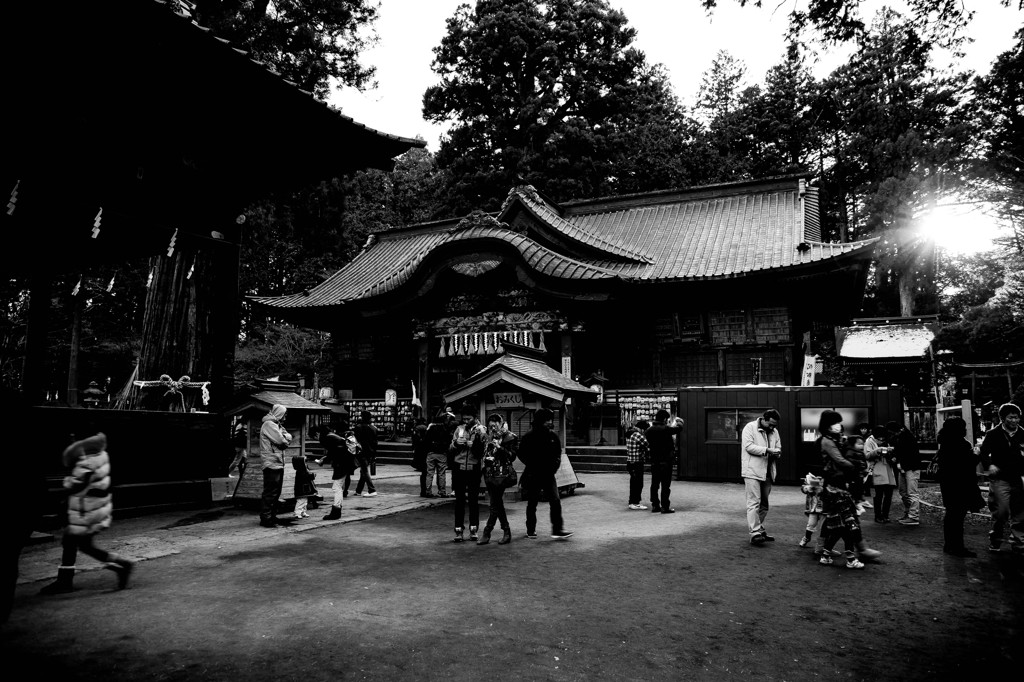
(274, 440)
(90, 510)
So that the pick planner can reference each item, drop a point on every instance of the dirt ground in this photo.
(631, 596)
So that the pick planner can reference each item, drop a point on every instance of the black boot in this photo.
(123, 569)
(334, 514)
(486, 536)
(506, 536)
(64, 582)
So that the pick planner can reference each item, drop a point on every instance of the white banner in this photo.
(807, 375)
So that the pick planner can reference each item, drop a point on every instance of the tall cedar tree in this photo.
(897, 137)
(551, 94)
(941, 21)
(289, 241)
(1000, 96)
(310, 42)
(759, 132)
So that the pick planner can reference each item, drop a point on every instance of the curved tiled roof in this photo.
(399, 255)
(697, 235)
(549, 215)
(712, 237)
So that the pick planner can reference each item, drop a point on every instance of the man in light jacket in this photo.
(759, 450)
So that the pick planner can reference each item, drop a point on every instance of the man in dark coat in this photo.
(541, 451)
(663, 454)
(366, 434)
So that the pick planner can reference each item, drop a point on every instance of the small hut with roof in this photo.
(252, 411)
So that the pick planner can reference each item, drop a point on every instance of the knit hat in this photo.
(543, 415)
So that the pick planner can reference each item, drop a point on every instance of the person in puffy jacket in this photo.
(274, 440)
(89, 511)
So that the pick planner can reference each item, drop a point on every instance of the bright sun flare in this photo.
(961, 230)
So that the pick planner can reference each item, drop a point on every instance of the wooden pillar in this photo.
(423, 376)
(566, 346)
(34, 375)
(76, 343)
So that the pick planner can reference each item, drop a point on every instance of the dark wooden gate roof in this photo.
(130, 106)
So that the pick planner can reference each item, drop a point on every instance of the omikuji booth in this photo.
(516, 385)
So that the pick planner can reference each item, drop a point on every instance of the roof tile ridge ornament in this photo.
(530, 195)
(478, 219)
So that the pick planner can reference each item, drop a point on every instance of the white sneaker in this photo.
(637, 506)
(373, 494)
(867, 505)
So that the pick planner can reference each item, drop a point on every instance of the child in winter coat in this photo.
(855, 453)
(89, 512)
(812, 487)
(304, 487)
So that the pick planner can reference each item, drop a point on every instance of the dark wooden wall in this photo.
(703, 459)
(157, 459)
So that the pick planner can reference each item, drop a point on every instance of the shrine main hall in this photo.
(708, 286)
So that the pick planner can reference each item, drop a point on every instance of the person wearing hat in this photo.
(1002, 456)
(541, 451)
(274, 440)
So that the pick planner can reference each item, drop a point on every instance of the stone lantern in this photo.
(93, 395)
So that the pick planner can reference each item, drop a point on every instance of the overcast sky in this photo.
(676, 33)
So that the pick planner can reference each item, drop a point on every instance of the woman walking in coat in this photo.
(957, 476)
(883, 476)
(89, 511)
(841, 518)
(499, 453)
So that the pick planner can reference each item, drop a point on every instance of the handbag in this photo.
(501, 474)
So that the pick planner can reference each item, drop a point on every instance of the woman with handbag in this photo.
(499, 474)
(883, 475)
(955, 466)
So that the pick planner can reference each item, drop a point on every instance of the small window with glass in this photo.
(725, 424)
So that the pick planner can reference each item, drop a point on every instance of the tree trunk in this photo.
(191, 322)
